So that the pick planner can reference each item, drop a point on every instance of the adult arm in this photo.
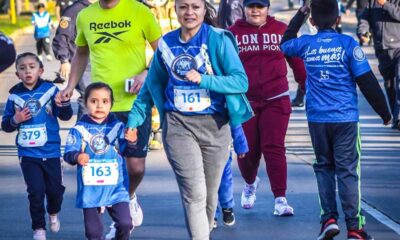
(78, 66)
(370, 88)
(363, 25)
(392, 9)
(295, 24)
(8, 123)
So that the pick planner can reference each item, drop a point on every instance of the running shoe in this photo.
(358, 234)
(282, 208)
(39, 234)
(136, 212)
(54, 223)
(329, 229)
(249, 194)
(228, 216)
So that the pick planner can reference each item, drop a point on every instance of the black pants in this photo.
(119, 213)
(43, 178)
(43, 44)
(337, 148)
(389, 67)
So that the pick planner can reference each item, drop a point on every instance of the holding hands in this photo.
(131, 135)
(61, 98)
(22, 115)
(83, 159)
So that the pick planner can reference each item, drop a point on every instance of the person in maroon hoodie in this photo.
(258, 36)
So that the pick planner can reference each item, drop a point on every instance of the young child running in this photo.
(225, 191)
(335, 63)
(96, 144)
(32, 109)
(42, 22)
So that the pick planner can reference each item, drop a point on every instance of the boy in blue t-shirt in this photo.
(335, 63)
(32, 109)
(42, 22)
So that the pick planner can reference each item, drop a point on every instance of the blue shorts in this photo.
(140, 149)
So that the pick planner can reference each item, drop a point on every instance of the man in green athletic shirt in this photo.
(113, 33)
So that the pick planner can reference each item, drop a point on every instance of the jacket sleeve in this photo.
(155, 80)
(7, 123)
(64, 37)
(294, 26)
(363, 25)
(73, 146)
(370, 88)
(393, 10)
(65, 111)
(234, 80)
(349, 4)
(299, 70)
(7, 52)
(239, 140)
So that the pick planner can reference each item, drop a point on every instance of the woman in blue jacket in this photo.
(197, 82)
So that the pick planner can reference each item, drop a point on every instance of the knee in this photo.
(93, 232)
(36, 196)
(124, 225)
(135, 166)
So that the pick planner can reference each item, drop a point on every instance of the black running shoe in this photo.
(228, 216)
(329, 229)
(358, 234)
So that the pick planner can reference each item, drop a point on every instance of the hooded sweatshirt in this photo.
(263, 60)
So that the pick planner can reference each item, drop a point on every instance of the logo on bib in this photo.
(183, 64)
(99, 143)
(33, 105)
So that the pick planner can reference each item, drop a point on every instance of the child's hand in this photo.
(241, 155)
(131, 135)
(22, 116)
(60, 98)
(193, 76)
(83, 159)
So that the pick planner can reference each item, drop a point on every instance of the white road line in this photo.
(380, 217)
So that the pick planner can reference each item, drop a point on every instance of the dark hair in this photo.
(95, 86)
(40, 5)
(28, 54)
(324, 13)
(211, 14)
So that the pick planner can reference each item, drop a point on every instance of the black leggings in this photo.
(43, 44)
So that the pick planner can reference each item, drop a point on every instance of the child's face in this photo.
(41, 10)
(256, 14)
(29, 71)
(99, 104)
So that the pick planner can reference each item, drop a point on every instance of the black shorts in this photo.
(140, 149)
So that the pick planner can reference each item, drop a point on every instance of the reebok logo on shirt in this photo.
(108, 36)
(108, 25)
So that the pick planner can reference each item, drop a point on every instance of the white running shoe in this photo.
(111, 234)
(49, 57)
(136, 212)
(249, 194)
(40, 58)
(282, 208)
(54, 223)
(39, 234)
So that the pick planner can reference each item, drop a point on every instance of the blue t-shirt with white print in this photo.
(180, 57)
(104, 181)
(332, 62)
(42, 24)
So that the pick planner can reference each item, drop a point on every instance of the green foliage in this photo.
(7, 28)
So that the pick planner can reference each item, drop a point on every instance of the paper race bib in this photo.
(100, 172)
(191, 100)
(32, 135)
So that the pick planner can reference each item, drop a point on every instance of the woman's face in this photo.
(190, 13)
(256, 14)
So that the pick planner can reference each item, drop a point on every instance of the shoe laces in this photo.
(249, 190)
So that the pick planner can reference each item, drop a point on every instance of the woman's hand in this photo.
(131, 135)
(193, 76)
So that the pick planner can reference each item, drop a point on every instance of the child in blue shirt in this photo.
(96, 144)
(32, 109)
(335, 63)
(42, 22)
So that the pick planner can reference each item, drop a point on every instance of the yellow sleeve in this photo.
(151, 29)
(80, 39)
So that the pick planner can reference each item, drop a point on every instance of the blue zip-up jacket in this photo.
(39, 136)
(229, 79)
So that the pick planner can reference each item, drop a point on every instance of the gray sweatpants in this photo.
(197, 148)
